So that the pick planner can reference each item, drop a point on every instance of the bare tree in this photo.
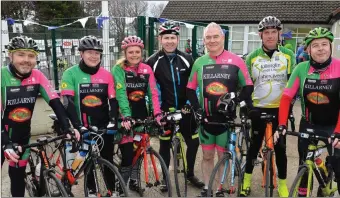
(157, 9)
(122, 19)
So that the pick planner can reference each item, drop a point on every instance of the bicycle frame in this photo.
(179, 136)
(268, 145)
(142, 148)
(309, 162)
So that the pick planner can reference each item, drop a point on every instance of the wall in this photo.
(336, 42)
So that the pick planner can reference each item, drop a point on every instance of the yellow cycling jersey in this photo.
(269, 75)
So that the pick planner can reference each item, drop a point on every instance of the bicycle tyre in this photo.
(177, 147)
(215, 171)
(269, 175)
(103, 162)
(165, 172)
(62, 191)
(30, 185)
(296, 183)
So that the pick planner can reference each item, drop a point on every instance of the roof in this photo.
(312, 12)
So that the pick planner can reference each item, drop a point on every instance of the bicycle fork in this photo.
(265, 153)
(232, 145)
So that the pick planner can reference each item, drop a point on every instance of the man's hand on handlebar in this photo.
(73, 132)
(336, 143)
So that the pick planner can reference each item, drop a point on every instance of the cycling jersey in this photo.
(320, 90)
(215, 76)
(269, 75)
(172, 77)
(132, 85)
(91, 94)
(18, 100)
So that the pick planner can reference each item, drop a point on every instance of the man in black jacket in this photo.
(172, 69)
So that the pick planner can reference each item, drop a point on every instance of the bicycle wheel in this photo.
(30, 181)
(269, 186)
(294, 189)
(221, 178)
(101, 184)
(155, 187)
(54, 187)
(180, 170)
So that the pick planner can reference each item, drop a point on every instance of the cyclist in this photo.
(87, 90)
(269, 67)
(20, 86)
(215, 73)
(172, 69)
(134, 81)
(318, 82)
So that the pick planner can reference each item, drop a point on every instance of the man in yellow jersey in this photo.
(269, 67)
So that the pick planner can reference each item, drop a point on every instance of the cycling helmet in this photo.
(90, 43)
(132, 41)
(269, 22)
(226, 104)
(318, 33)
(23, 43)
(168, 27)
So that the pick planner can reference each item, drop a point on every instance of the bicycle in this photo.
(229, 163)
(268, 157)
(34, 184)
(179, 156)
(142, 141)
(309, 167)
(243, 141)
(91, 141)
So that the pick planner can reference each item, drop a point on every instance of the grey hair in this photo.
(213, 25)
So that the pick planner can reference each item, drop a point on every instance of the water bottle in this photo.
(322, 168)
(69, 156)
(79, 159)
(37, 171)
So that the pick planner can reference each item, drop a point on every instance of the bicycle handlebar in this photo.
(44, 141)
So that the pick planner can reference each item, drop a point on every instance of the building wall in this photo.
(336, 42)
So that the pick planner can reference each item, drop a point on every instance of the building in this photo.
(242, 17)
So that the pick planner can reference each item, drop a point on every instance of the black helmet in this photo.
(90, 43)
(269, 22)
(23, 42)
(226, 105)
(169, 27)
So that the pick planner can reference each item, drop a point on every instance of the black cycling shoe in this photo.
(204, 193)
(196, 182)
(163, 186)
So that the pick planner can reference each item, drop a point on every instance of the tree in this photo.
(122, 21)
(157, 9)
(17, 9)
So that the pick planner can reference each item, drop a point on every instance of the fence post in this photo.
(54, 59)
(151, 35)
(141, 27)
(194, 42)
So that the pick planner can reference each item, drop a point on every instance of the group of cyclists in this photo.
(92, 96)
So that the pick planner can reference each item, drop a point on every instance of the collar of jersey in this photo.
(216, 57)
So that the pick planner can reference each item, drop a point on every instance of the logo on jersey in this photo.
(20, 114)
(118, 86)
(30, 88)
(317, 98)
(63, 85)
(136, 96)
(216, 88)
(91, 101)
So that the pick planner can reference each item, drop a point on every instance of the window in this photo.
(237, 39)
(254, 40)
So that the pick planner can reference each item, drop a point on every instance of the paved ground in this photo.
(257, 191)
